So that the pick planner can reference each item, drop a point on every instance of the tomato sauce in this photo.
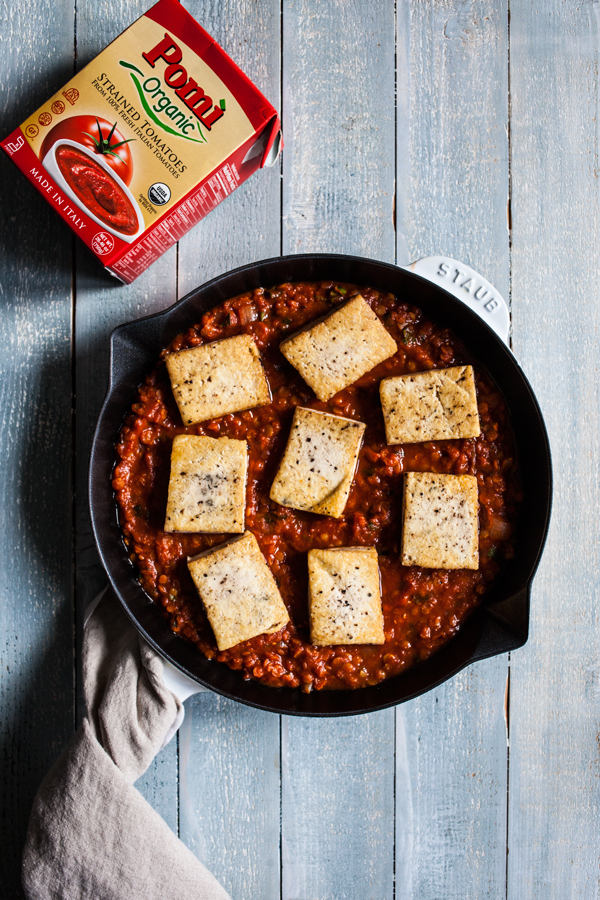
(422, 608)
(97, 190)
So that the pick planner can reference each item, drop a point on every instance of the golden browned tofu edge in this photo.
(321, 634)
(401, 417)
(244, 550)
(312, 362)
(417, 550)
(252, 388)
(289, 485)
(187, 450)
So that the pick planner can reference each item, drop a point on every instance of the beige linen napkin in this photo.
(92, 836)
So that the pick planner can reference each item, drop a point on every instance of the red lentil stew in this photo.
(423, 608)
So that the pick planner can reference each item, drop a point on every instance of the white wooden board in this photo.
(338, 185)
(102, 303)
(36, 601)
(554, 799)
(230, 795)
(229, 788)
(452, 175)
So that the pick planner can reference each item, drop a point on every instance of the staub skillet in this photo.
(499, 625)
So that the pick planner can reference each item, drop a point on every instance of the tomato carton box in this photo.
(147, 139)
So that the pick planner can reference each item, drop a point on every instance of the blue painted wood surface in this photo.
(411, 128)
(554, 796)
(453, 189)
(36, 590)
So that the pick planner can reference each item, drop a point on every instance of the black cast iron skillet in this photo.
(499, 625)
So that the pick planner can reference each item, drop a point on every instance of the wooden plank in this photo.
(452, 175)
(230, 792)
(456, 751)
(404, 814)
(246, 227)
(230, 797)
(338, 185)
(36, 603)
(338, 808)
(554, 829)
(102, 304)
(160, 784)
(338, 106)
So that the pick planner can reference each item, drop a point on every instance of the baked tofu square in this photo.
(218, 378)
(339, 349)
(239, 593)
(344, 596)
(207, 486)
(440, 527)
(430, 406)
(318, 465)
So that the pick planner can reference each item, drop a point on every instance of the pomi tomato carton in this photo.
(147, 139)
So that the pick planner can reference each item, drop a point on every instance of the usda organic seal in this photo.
(159, 194)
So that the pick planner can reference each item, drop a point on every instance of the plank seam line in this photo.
(177, 776)
(507, 718)
(281, 125)
(509, 204)
(280, 808)
(281, 32)
(73, 473)
(73, 324)
(395, 807)
(394, 214)
(509, 226)
(395, 197)
(75, 37)
(395, 203)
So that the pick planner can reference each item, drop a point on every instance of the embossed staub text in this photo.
(469, 284)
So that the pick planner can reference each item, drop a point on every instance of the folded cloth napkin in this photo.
(92, 836)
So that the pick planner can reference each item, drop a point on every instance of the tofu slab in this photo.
(440, 528)
(430, 406)
(345, 596)
(218, 378)
(319, 462)
(239, 593)
(207, 486)
(339, 349)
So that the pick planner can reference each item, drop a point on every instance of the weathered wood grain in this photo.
(230, 796)
(102, 303)
(452, 175)
(338, 108)
(230, 793)
(404, 815)
(457, 758)
(451, 146)
(36, 603)
(246, 227)
(554, 824)
(338, 185)
(338, 808)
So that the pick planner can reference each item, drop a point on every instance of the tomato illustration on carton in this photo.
(97, 135)
(91, 162)
(155, 132)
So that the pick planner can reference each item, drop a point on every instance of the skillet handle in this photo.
(178, 683)
(466, 285)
